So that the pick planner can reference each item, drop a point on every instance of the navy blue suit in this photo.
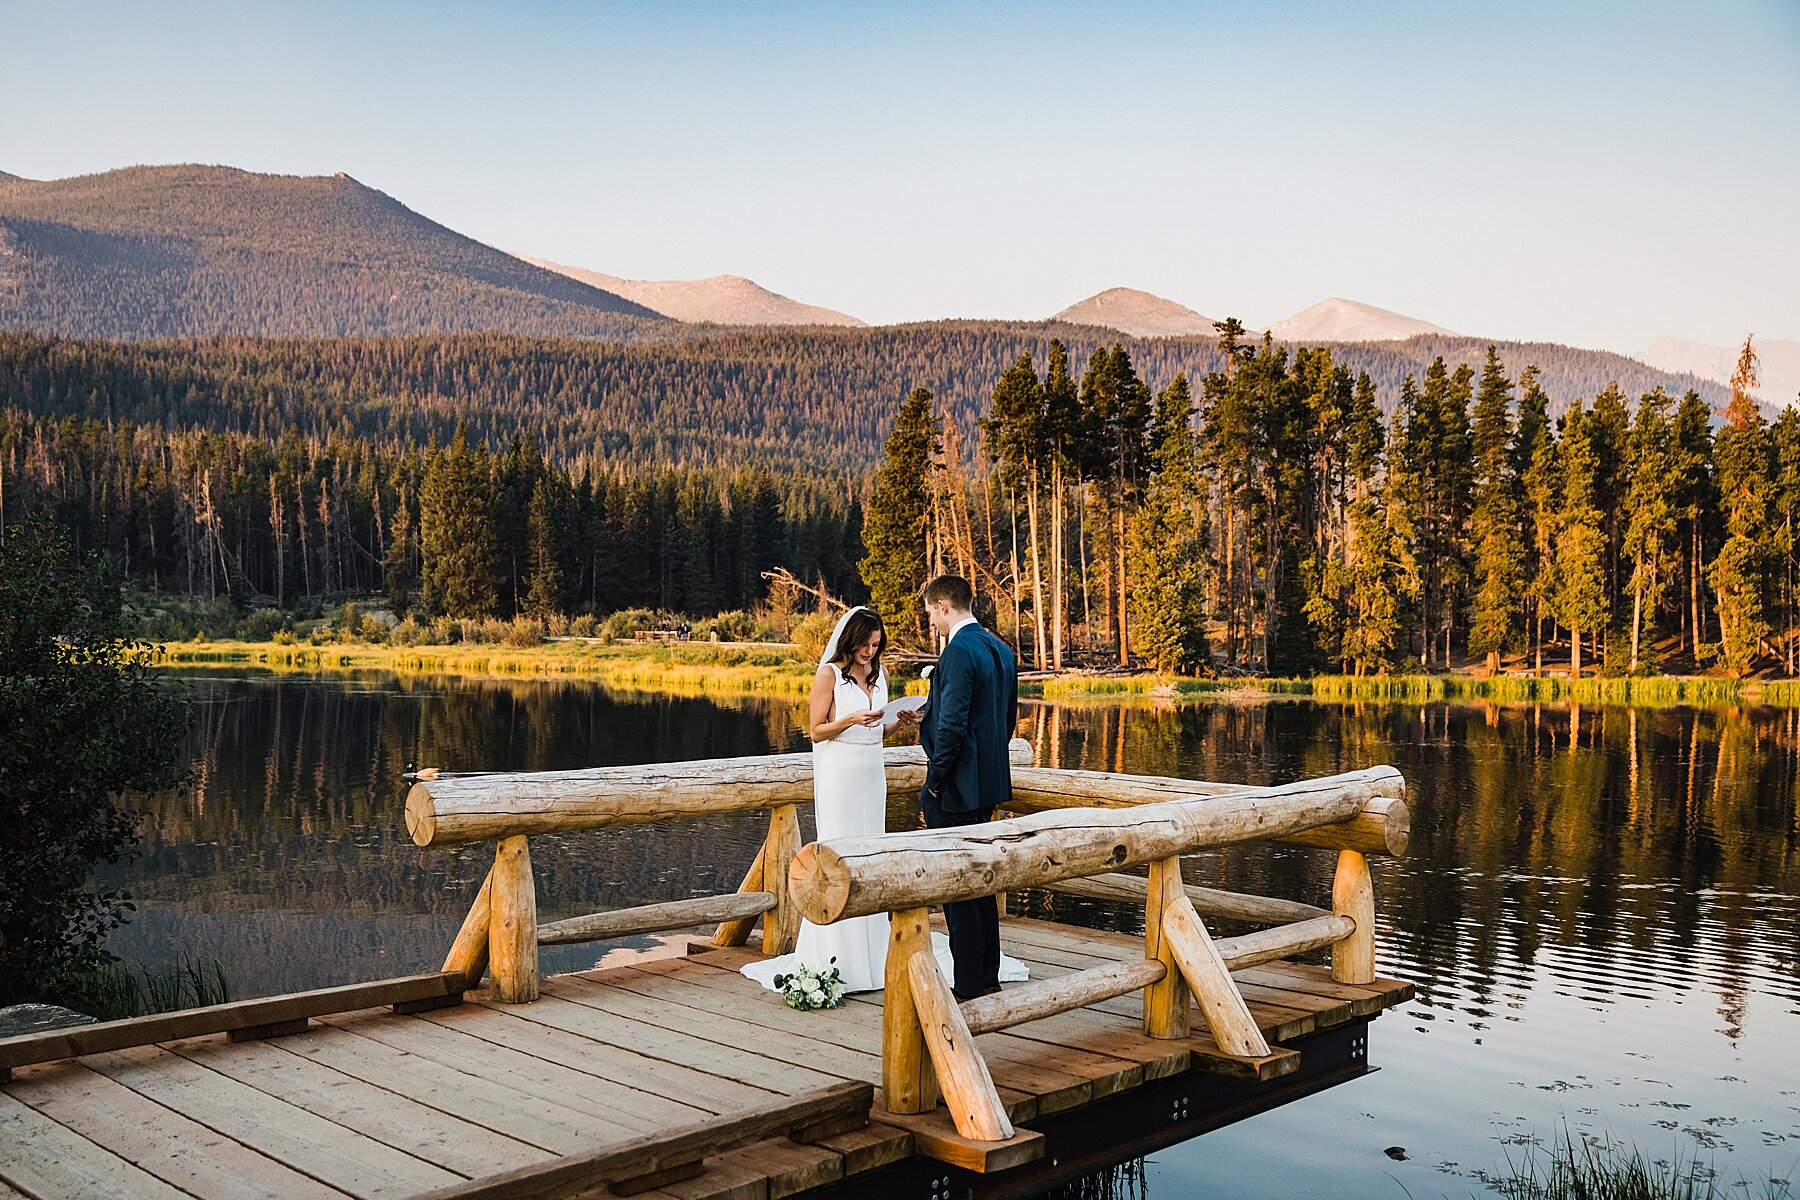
(965, 730)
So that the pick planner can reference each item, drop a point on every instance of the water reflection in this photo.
(1600, 904)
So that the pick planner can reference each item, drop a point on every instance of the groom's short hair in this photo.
(953, 588)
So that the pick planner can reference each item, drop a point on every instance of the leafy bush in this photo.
(627, 622)
(87, 726)
(490, 631)
(734, 626)
(445, 631)
(262, 624)
(408, 632)
(525, 631)
(813, 632)
(584, 625)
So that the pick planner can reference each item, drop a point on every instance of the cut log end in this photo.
(421, 815)
(819, 883)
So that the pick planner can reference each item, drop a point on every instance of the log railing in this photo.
(1088, 828)
(501, 934)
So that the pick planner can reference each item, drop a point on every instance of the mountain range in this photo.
(154, 252)
(1139, 314)
(719, 300)
(189, 251)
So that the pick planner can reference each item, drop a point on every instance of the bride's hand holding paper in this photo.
(907, 710)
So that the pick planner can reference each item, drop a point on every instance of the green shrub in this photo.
(627, 622)
(261, 624)
(445, 631)
(813, 632)
(734, 626)
(584, 625)
(283, 637)
(525, 631)
(407, 633)
(87, 728)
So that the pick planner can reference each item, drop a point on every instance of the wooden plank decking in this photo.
(385, 1104)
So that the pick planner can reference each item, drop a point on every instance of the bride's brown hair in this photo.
(857, 629)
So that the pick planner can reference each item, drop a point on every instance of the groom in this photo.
(965, 729)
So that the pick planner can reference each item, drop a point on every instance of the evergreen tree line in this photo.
(460, 530)
(1287, 521)
(815, 401)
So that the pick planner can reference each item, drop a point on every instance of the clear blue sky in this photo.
(1597, 174)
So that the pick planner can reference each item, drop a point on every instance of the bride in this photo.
(850, 800)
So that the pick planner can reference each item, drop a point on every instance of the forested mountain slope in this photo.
(817, 400)
(150, 252)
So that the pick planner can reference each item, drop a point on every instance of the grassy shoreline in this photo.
(704, 668)
(693, 668)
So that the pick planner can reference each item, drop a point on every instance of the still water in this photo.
(1601, 906)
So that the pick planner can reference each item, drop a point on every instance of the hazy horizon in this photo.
(1597, 178)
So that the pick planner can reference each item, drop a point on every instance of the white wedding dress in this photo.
(850, 800)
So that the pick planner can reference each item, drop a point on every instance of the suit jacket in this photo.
(969, 721)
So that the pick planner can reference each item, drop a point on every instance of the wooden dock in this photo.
(675, 1077)
(382, 1104)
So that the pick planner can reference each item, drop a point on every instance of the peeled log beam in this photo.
(454, 809)
(1267, 945)
(1383, 827)
(1208, 902)
(1046, 997)
(469, 952)
(975, 1107)
(655, 918)
(854, 877)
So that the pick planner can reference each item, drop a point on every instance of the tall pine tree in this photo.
(1496, 615)
(894, 528)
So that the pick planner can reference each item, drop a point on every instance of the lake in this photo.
(1601, 906)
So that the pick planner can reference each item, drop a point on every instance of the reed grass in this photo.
(1612, 1171)
(121, 990)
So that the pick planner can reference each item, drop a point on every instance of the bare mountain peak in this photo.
(192, 249)
(717, 299)
(1341, 320)
(1137, 313)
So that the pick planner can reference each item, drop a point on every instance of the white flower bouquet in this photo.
(807, 987)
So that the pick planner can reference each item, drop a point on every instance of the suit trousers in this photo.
(974, 924)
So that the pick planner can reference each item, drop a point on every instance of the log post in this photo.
(1166, 1000)
(968, 1089)
(908, 1083)
(1220, 1001)
(512, 929)
(1353, 896)
(781, 926)
(736, 933)
(469, 952)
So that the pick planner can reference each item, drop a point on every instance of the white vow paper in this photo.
(890, 712)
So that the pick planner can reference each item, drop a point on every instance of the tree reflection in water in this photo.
(1597, 900)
